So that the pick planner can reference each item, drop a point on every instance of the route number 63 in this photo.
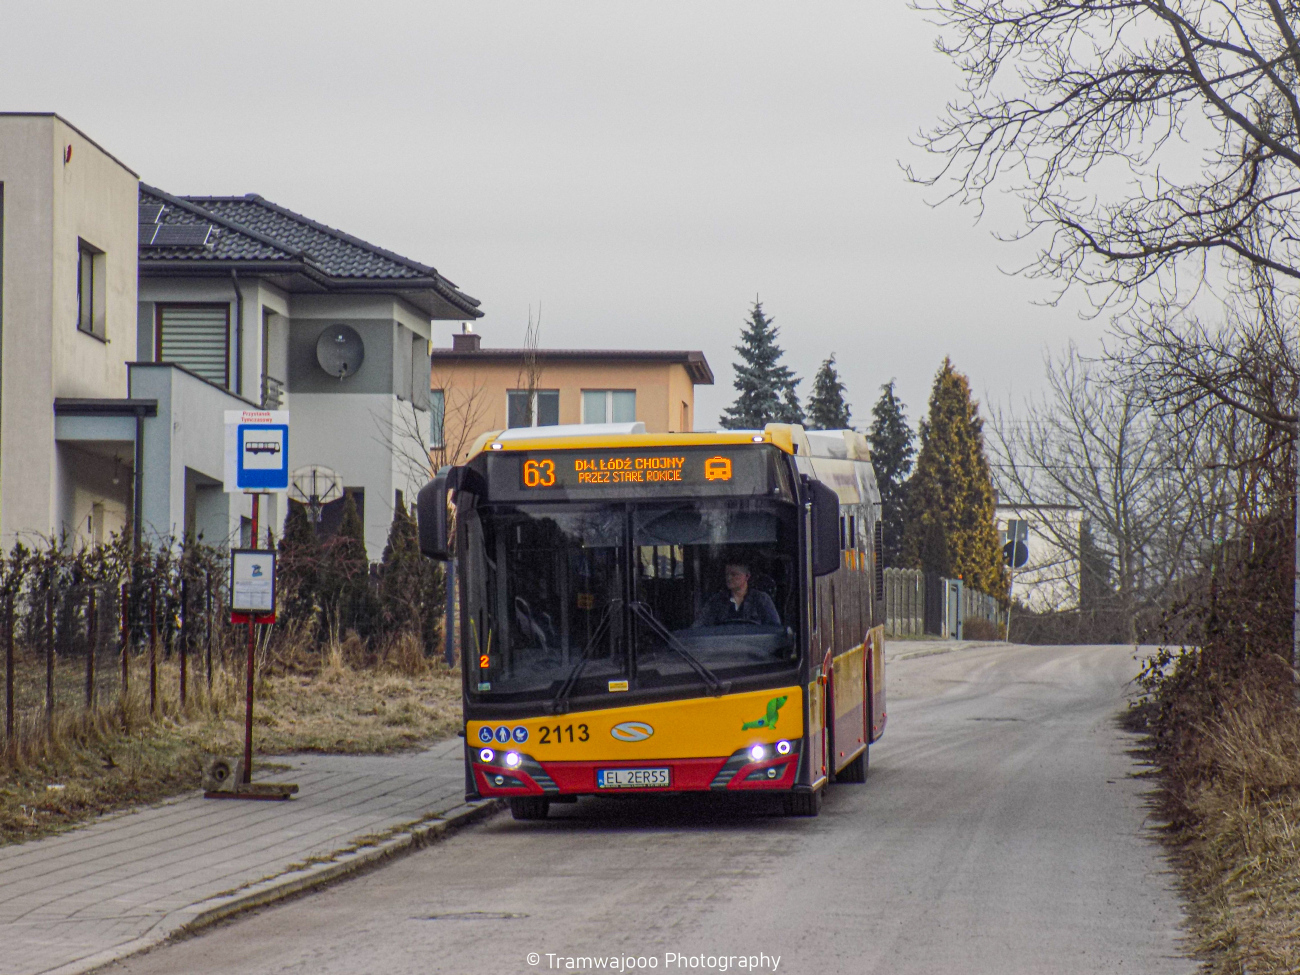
(539, 473)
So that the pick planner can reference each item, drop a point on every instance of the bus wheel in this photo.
(529, 807)
(856, 770)
(804, 803)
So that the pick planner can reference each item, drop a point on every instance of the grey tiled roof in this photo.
(340, 255)
(249, 228)
(231, 242)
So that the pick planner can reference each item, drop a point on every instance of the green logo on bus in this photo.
(773, 706)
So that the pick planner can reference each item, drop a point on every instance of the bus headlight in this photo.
(513, 760)
(757, 753)
(486, 755)
(783, 748)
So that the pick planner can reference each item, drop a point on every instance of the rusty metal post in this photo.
(248, 691)
(185, 632)
(248, 710)
(125, 690)
(9, 670)
(207, 626)
(153, 646)
(49, 658)
(92, 634)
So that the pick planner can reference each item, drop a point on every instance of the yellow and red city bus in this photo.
(650, 613)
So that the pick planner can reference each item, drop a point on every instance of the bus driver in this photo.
(740, 603)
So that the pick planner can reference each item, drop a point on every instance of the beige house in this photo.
(67, 329)
(475, 390)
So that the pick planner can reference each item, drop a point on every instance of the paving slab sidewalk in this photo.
(73, 902)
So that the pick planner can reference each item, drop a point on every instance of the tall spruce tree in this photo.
(299, 565)
(950, 504)
(401, 575)
(826, 407)
(765, 388)
(345, 576)
(893, 448)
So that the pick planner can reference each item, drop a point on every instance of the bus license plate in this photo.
(632, 778)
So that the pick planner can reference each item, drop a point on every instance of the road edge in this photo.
(206, 913)
(957, 646)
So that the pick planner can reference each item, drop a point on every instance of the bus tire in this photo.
(529, 807)
(804, 803)
(856, 770)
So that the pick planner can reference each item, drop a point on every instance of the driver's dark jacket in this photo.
(757, 608)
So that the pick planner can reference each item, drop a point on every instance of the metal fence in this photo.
(921, 603)
(80, 648)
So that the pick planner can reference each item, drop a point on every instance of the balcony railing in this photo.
(272, 393)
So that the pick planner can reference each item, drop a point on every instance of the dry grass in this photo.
(117, 757)
(1236, 803)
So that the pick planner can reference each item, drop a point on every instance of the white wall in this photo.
(1049, 582)
(351, 434)
(188, 434)
(48, 205)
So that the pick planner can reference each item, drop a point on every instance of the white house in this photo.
(67, 328)
(244, 301)
(131, 320)
(1049, 580)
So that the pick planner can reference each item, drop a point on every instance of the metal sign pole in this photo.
(248, 690)
(248, 711)
(257, 462)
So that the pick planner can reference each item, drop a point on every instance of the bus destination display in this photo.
(726, 471)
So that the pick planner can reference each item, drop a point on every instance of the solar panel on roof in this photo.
(150, 212)
(179, 235)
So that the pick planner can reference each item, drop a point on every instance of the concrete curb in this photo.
(957, 647)
(196, 917)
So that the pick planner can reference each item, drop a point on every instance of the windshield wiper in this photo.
(647, 616)
(560, 704)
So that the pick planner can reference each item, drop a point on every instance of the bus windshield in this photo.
(592, 597)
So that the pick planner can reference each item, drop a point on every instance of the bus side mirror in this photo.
(824, 528)
(431, 513)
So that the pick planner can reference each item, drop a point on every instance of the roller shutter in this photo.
(196, 337)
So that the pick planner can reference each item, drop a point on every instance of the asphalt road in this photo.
(1001, 831)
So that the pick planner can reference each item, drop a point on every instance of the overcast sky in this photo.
(640, 171)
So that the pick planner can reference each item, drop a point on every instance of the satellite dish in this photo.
(315, 487)
(340, 351)
(1015, 554)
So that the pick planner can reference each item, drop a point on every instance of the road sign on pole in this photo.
(257, 450)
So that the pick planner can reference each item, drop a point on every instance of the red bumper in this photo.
(685, 775)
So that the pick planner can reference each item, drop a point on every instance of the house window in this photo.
(542, 410)
(196, 337)
(420, 373)
(90, 290)
(437, 407)
(609, 406)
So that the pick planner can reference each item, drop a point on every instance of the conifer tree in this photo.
(400, 587)
(950, 505)
(892, 451)
(299, 565)
(346, 575)
(765, 388)
(826, 407)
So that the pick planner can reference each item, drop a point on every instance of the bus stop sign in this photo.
(257, 450)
